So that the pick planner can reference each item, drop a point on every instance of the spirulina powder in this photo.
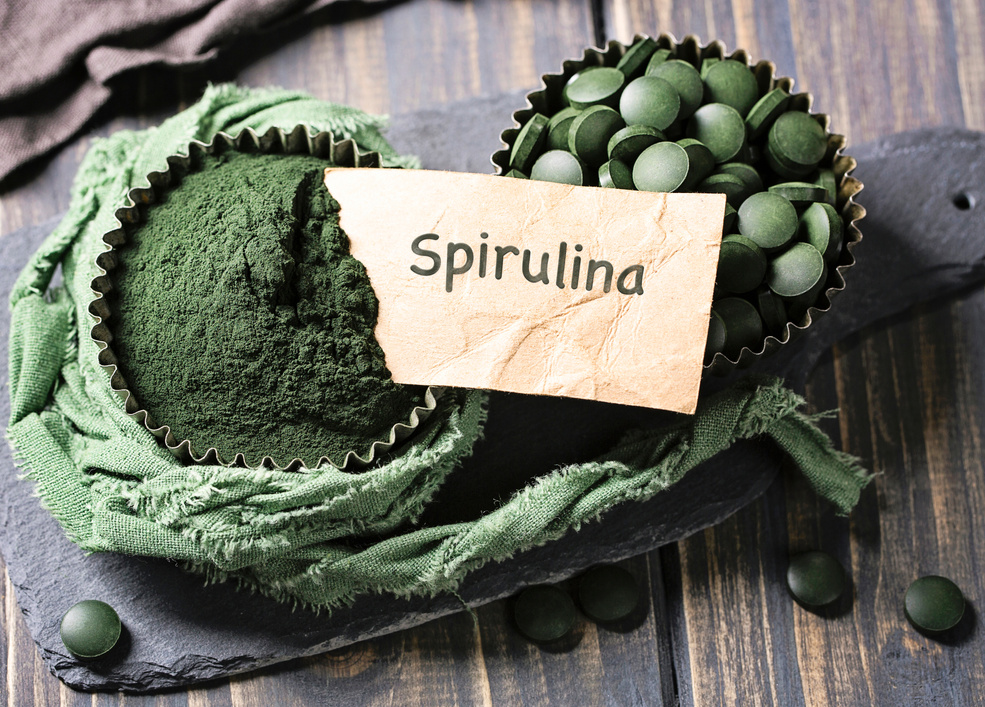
(242, 322)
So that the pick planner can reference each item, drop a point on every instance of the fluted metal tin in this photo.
(547, 100)
(300, 140)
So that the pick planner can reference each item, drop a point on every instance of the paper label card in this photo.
(534, 287)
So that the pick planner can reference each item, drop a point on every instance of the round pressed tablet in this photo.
(734, 189)
(544, 613)
(743, 326)
(686, 80)
(651, 101)
(772, 310)
(741, 264)
(768, 220)
(598, 87)
(934, 604)
(701, 162)
(716, 336)
(627, 144)
(658, 58)
(571, 80)
(797, 139)
(707, 63)
(616, 175)
(816, 578)
(558, 127)
(529, 143)
(661, 167)
(732, 83)
(800, 194)
(821, 226)
(826, 178)
(590, 133)
(765, 112)
(516, 174)
(608, 593)
(728, 225)
(90, 629)
(747, 173)
(559, 166)
(633, 63)
(796, 271)
(720, 128)
(785, 170)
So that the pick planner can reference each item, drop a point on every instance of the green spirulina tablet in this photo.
(800, 194)
(701, 162)
(785, 170)
(765, 112)
(662, 167)
(634, 61)
(707, 63)
(627, 144)
(90, 629)
(608, 593)
(816, 578)
(768, 220)
(720, 128)
(732, 187)
(544, 613)
(616, 175)
(658, 58)
(826, 178)
(571, 80)
(772, 310)
(590, 132)
(728, 224)
(516, 174)
(529, 143)
(558, 127)
(822, 227)
(598, 87)
(741, 264)
(686, 80)
(747, 173)
(716, 336)
(934, 604)
(651, 101)
(743, 326)
(797, 271)
(796, 140)
(559, 166)
(732, 83)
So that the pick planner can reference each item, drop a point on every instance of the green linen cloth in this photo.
(314, 536)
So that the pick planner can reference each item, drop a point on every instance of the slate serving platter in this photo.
(178, 632)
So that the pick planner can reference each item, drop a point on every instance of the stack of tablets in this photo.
(657, 121)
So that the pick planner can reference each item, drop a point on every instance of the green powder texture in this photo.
(242, 322)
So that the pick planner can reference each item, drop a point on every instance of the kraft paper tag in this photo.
(534, 287)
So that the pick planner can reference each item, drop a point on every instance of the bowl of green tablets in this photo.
(666, 116)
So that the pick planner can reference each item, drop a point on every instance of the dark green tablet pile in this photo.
(655, 122)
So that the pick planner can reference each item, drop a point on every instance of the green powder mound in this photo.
(242, 322)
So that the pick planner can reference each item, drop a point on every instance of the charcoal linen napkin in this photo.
(60, 57)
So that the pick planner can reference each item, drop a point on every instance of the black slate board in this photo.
(180, 632)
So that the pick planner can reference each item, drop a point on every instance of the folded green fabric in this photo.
(311, 536)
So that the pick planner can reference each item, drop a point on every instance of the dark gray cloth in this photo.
(60, 57)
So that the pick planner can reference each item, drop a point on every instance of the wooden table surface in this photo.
(720, 628)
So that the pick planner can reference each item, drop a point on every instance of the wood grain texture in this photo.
(718, 626)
